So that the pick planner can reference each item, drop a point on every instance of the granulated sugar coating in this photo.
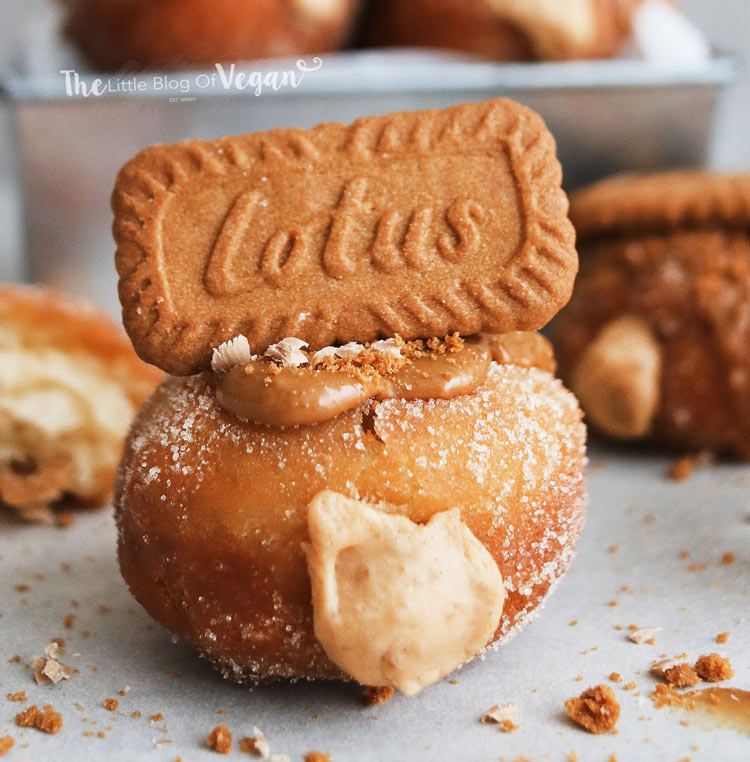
(212, 510)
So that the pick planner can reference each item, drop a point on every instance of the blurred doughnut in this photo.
(172, 34)
(656, 339)
(504, 30)
(69, 386)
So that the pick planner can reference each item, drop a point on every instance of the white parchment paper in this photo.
(649, 519)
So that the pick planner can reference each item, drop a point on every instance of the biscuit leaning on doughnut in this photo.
(656, 339)
(367, 469)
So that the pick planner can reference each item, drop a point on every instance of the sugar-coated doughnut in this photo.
(212, 510)
(133, 34)
(69, 385)
(656, 338)
(505, 30)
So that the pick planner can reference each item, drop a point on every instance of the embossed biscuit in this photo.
(416, 223)
(660, 202)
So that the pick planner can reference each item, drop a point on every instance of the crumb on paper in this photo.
(659, 668)
(722, 637)
(728, 558)
(377, 694)
(596, 709)
(713, 668)
(317, 756)
(111, 704)
(615, 677)
(643, 634)
(47, 669)
(681, 676)
(47, 720)
(682, 468)
(505, 715)
(17, 696)
(6, 744)
(665, 695)
(256, 744)
(220, 740)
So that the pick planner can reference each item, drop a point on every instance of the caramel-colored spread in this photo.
(264, 392)
(396, 602)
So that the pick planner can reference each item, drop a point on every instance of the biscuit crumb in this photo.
(659, 668)
(615, 677)
(18, 696)
(317, 756)
(713, 668)
(111, 704)
(681, 676)
(46, 720)
(505, 715)
(722, 637)
(220, 740)
(6, 744)
(256, 744)
(643, 635)
(665, 695)
(682, 468)
(47, 669)
(231, 353)
(288, 352)
(595, 710)
(377, 694)
(728, 558)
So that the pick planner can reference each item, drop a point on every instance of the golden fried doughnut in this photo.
(505, 30)
(69, 386)
(132, 34)
(212, 510)
(656, 339)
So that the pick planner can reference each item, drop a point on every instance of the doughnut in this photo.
(171, 34)
(215, 554)
(505, 30)
(69, 386)
(363, 467)
(656, 339)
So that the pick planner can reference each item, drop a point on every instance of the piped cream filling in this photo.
(396, 602)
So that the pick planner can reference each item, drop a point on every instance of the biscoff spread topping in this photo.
(396, 602)
(288, 386)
